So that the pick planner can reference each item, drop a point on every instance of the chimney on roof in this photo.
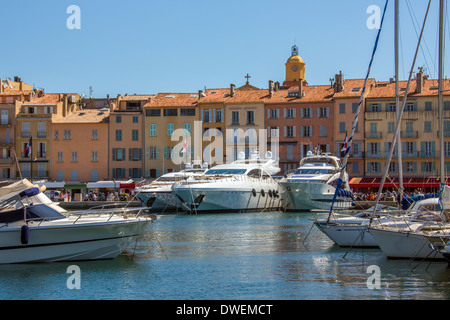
(270, 88)
(277, 86)
(200, 93)
(419, 81)
(65, 100)
(339, 82)
(300, 88)
(232, 90)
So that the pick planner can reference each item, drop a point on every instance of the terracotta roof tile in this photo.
(386, 89)
(84, 116)
(173, 100)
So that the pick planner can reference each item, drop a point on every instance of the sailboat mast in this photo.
(397, 100)
(440, 97)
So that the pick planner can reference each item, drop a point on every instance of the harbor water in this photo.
(251, 256)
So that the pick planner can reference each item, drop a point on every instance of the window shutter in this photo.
(113, 154)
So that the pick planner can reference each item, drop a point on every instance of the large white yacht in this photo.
(313, 184)
(158, 194)
(245, 185)
(34, 230)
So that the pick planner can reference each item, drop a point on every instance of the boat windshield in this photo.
(34, 212)
(170, 179)
(225, 171)
(314, 171)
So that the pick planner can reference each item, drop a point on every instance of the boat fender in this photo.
(254, 192)
(24, 234)
(270, 193)
(263, 193)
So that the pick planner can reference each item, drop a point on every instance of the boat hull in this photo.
(69, 242)
(404, 245)
(347, 235)
(161, 201)
(307, 196)
(224, 200)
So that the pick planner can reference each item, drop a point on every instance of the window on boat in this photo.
(314, 171)
(225, 171)
(165, 179)
(256, 173)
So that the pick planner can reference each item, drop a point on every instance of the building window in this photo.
(170, 112)
(355, 166)
(374, 107)
(74, 175)
(290, 131)
(118, 135)
(56, 134)
(391, 126)
(187, 112)
(152, 130)
(354, 107)
(94, 156)
(342, 108)
(427, 166)
(135, 135)
(290, 113)
(94, 135)
(66, 134)
(428, 105)
(153, 112)
(323, 131)
(59, 175)
(274, 113)
(306, 112)
(391, 107)
(250, 117)
(74, 156)
(427, 126)
(94, 175)
(135, 119)
(170, 128)
(410, 166)
(235, 117)
(154, 152)
(323, 112)
(118, 119)
(59, 156)
(341, 127)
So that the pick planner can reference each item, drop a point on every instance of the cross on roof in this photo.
(248, 77)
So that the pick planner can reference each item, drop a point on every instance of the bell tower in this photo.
(295, 67)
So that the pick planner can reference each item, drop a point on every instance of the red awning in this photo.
(127, 186)
(368, 182)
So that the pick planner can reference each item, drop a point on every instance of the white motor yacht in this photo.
(158, 194)
(313, 184)
(34, 230)
(245, 185)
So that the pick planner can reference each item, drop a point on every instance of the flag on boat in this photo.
(27, 151)
(345, 143)
(184, 146)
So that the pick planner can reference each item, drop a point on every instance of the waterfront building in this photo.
(8, 110)
(419, 134)
(347, 94)
(299, 115)
(245, 122)
(211, 106)
(126, 137)
(79, 146)
(163, 115)
(33, 123)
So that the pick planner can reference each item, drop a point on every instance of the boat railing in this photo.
(111, 212)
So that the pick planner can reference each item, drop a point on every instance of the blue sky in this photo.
(147, 47)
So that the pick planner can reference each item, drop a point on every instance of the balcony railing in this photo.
(373, 135)
(409, 134)
(36, 174)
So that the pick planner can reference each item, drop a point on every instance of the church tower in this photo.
(295, 67)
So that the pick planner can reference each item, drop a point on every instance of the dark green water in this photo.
(260, 256)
